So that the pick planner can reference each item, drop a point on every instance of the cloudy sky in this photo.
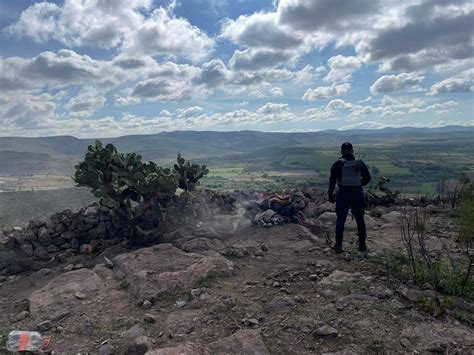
(94, 68)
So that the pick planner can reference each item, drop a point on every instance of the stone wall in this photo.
(95, 227)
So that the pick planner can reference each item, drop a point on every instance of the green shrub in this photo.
(133, 188)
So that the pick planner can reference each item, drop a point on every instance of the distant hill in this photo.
(57, 155)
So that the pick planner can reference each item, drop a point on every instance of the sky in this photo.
(105, 68)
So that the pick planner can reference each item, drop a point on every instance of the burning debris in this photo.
(279, 209)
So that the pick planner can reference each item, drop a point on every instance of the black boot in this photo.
(362, 245)
(338, 245)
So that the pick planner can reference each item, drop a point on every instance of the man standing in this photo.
(350, 175)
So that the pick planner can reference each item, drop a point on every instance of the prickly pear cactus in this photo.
(188, 174)
(136, 190)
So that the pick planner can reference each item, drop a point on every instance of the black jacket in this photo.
(336, 171)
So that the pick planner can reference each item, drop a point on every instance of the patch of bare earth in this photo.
(260, 291)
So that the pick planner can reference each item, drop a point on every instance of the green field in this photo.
(35, 172)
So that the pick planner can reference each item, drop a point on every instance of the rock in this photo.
(106, 349)
(146, 304)
(229, 302)
(14, 261)
(20, 306)
(188, 348)
(149, 318)
(197, 245)
(80, 295)
(52, 248)
(415, 295)
(393, 217)
(181, 320)
(44, 326)
(43, 236)
(249, 322)
(90, 211)
(78, 266)
(151, 272)
(265, 216)
(339, 276)
(140, 346)
(311, 210)
(326, 331)
(27, 248)
(279, 303)
(196, 292)
(30, 236)
(313, 277)
(351, 349)
(357, 297)
(327, 218)
(3, 279)
(59, 295)
(41, 252)
(259, 253)
(68, 235)
(134, 332)
(22, 315)
(370, 223)
(246, 342)
(6, 243)
(437, 337)
(381, 292)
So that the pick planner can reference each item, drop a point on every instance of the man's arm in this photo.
(332, 182)
(365, 174)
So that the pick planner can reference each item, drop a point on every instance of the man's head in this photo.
(346, 148)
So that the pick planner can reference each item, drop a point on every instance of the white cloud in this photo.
(276, 91)
(341, 68)
(463, 82)
(126, 101)
(272, 108)
(240, 104)
(85, 104)
(400, 82)
(78, 23)
(424, 34)
(166, 34)
(129, 24)
(259, 30)
(255, 59)
(325, 15)
(324, 92)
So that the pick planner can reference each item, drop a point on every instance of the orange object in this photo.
(24, 342)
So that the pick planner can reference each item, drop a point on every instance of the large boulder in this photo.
(64, 293)
(163, 269)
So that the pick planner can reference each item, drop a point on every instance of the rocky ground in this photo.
(254, 290)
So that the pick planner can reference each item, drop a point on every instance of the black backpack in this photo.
(350, 173)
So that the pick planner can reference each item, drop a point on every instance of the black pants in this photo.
(350, 198)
